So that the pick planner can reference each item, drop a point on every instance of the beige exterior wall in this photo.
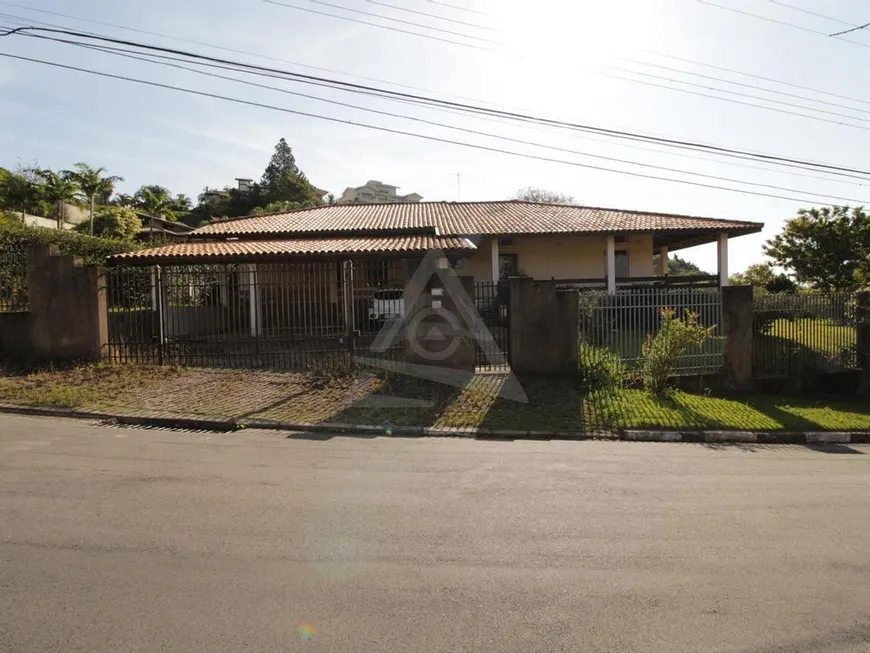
(562, 257)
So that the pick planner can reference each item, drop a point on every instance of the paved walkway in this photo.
(133, 540)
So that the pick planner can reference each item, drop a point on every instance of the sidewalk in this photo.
(370, 403)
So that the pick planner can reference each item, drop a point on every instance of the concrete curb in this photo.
(193, 424)
(631, 435)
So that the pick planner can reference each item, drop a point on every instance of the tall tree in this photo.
(535, 194)
(93, 184)
(827, 248)
(60, 189)
(156, 202)
(282, 161)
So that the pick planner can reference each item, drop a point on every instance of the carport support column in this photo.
(663, 260)
(722, 255)
(496, 268)
(610, 264)
(254, 295)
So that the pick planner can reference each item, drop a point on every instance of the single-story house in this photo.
(485, 240)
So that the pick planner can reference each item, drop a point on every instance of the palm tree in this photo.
(60, 189)
(157, 204)
(93, 184)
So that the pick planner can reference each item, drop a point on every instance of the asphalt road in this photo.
(120, 540)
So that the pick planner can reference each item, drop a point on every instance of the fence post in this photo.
(347, 302)
(737, 317)
(862, 327)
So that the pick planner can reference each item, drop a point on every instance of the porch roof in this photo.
(504, 218)
(252, 251)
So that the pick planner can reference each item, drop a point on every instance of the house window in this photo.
(377, 273)
(507, 242)
(507, 265)
(622, 268)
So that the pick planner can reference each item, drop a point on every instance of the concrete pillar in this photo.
(862, 325)
(663, 260)
(494, 260)
(153, 270)
(543, 328)
(722, 255)
(223, 289)
(737, 316)
(255, 303)
(610, 264)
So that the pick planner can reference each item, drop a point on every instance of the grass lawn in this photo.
(823, 336)
(638, 409)
(395, 400)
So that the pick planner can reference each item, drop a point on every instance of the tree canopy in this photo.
(677, 267)
(116, 222)
(535, 194)
(827, 248)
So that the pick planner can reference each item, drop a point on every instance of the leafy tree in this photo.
(115, 222)
(156, 202)
(535, 194)
(60, 189)
(93, 184)
(758, 274)
(124, 199)
(827, 248)
(781, 284)
(22, 190)
(677, 267)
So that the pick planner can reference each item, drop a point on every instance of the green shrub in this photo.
(661, 351)
(599, 370)
(90, 250)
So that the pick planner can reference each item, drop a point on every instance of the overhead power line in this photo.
(475, 132)
(437, 102)
(459, 8)
(359, 21)
(372, 14)
(636, 81)
(782, 22)
(802, 199)
(816, 92)
(788, 5)
(428, 15)
(852, 27)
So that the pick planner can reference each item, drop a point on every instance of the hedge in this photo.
(16, 239)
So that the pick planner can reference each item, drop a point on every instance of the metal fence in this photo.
(623, 321)
(13, 279)
(492, 302)
(795, 334)
(304, 315)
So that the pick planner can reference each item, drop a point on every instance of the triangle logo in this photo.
(464, 322)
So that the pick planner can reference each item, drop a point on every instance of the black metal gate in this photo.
(300, 315)
(492, 301)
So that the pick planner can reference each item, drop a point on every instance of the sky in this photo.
(634, 65)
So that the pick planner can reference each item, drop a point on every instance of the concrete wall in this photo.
(68, 318)
(737, 327)
(543, 324)
(562, 257)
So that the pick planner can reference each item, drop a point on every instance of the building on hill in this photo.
(373, 192)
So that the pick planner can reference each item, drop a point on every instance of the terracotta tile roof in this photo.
(468, 218)
(244, 250)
